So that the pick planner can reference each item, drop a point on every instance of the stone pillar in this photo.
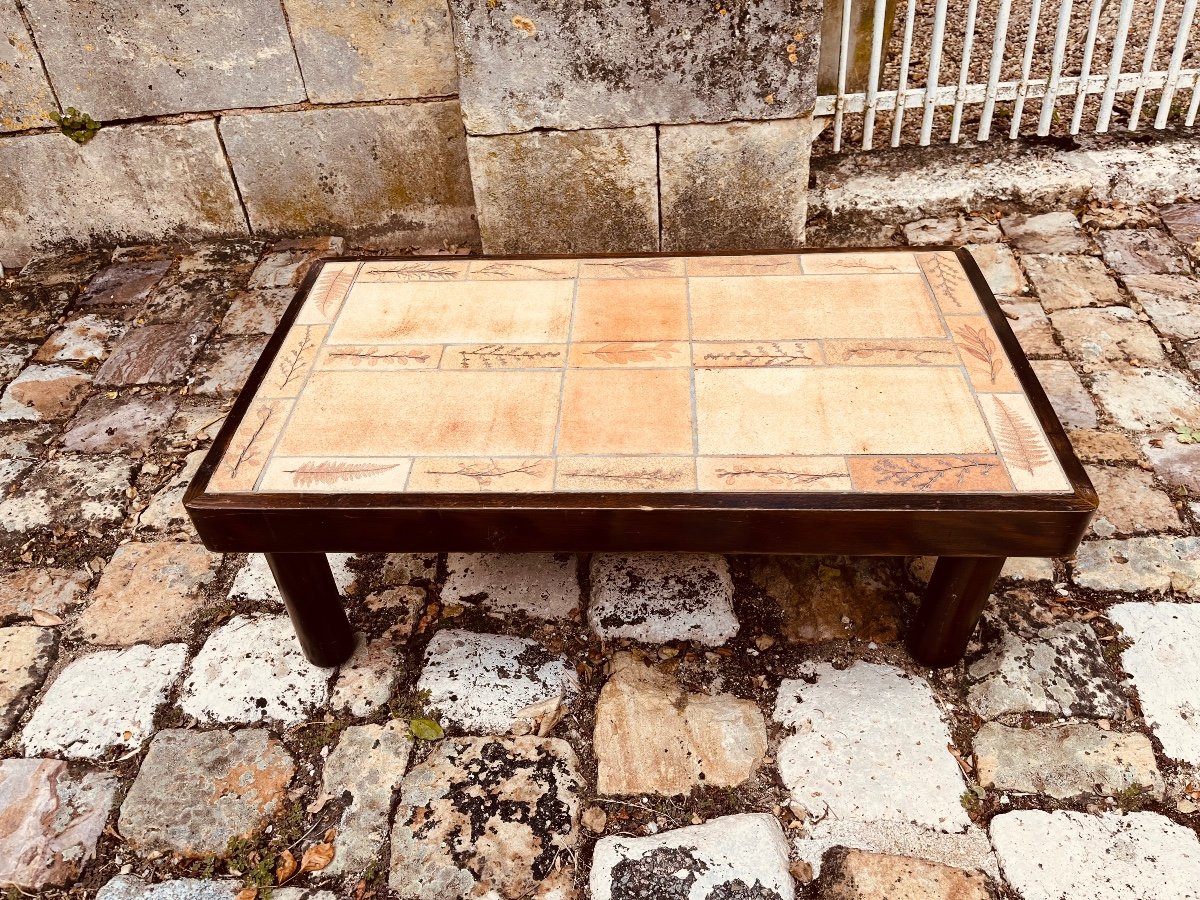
(633, 125)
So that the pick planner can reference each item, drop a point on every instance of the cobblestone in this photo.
(26, 653)
(540, 585)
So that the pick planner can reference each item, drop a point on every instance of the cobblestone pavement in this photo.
(762, 735)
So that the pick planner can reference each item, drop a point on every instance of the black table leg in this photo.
(312, 600)
(951, 609)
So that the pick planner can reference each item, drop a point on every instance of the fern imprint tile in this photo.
(788, 373)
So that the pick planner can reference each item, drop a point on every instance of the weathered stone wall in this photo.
(231, 117)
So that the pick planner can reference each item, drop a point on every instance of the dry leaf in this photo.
(285, 867)
(317, 805)
(248, 893)
(316, 858)
(45, 619)
(330, 835)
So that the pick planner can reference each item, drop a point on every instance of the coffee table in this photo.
(855, 402)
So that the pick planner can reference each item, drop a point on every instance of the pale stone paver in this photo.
(855, 875)
(1065, 762)
(1163, 658)
(50, 821)
(43, 393)
(525, 789)
(1052, 855)
(1051, 232)
(652, 736)
(254, 581)
(130, 887)
(1000, 268)
(365, 681)
(732, 856)
(251, 669)
(166, 512)
(367, 764)
(1175, 463)
(1157, 564)
(659, 597)
(1066, 282)
(869, 744)
(1108, 338)
(489, 684)
(1060, 671)
(540, 585)
(103, 701)
(1145, 399)
(26, 653)
(968, 850)
(1130, 503)
(53, 591)
(197, 789)
(70, 490)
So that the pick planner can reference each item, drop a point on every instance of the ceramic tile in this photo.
(457, 312)
(424, 413)
(630, 355)
(949, 283)
(522, 269)
(885, 263)
(1022, 444)
(616, 412)
(626, 473)
(505, 356)
(982, 354)
(348, 475)
(756, 308)
(662, 267)
(758, 264)
(772, 473)
(414, 270)
(652, 309)
(472, 474)
(950, 474)
(895, 352)
(821, 411)
(328, 293)
(248, 451)
(389, 357)
(759, 354)
(293, 362)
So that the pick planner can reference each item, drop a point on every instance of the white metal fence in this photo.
(935, 60)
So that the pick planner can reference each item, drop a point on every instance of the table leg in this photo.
(951, 609)
(312, 600)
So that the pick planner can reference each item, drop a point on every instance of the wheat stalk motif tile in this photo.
(873, 372)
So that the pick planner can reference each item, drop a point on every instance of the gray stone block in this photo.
(26, 100)
(571, 64)
(382, 176)
(117, 60)
(373, 49)
(734, 186)
(567, 191)
(56, 190)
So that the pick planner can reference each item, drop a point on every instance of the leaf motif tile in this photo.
(414, 270)
(882, 263)
(950, 285)
(522, 269)
(895, 352)
(758, 354)
(985, 359)
(348, 475)
(328, 293)
(382, 357)
(625, 473)
(248, 451)
(757, 264)
(911, 474)
(505, 356)
(1023, 446)
(630, 354)
(773, 473)
(293, 362)
(632, 267)
(474, 474)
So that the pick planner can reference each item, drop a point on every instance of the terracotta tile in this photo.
(424, 413)
(949, 283)
(654, 309)
(626, 473)
(638, 411)
(888, 263)
(522, 269)
(474, 474)
(982, 354)
(1022, 444)
(760, 264)
(632, 267)
(415, 270)
(761, 354)
(505, 356)
(755, 308)
(349, 474)
(821, 411)
(773, 473)
(390, 357)
(915, 474)
(456, 313)
(247, 453)
(631, 354)
(891, 353)
(328, 294)
(293, 362)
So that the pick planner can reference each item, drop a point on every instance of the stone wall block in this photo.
(734, 186)
(373, 49)
(567, 191)
(382, 176)
(55, 190)
(570, 64)
(26, 100)
(119, 60)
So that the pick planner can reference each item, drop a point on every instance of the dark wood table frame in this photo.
(971, 534)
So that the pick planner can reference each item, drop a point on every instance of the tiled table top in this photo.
(831, 372)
